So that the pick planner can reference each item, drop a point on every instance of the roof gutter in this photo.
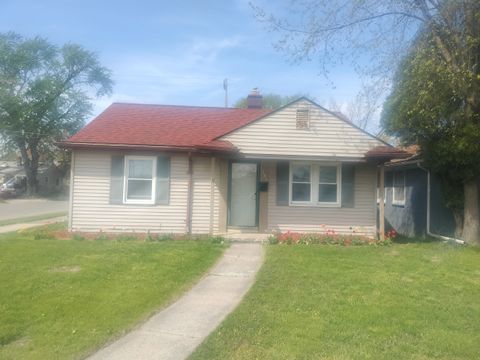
(106, 146)
(458, 241)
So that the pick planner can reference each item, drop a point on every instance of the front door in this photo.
(243, 194)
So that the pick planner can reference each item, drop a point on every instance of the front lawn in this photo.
(61, 299)
(405, 301)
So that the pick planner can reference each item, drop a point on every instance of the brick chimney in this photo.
(254, 99)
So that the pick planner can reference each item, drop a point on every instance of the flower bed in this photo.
(329, 237)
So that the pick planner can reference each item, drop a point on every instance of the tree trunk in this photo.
(30, 164)
(471, 222)
(458, 217)
(31, 172)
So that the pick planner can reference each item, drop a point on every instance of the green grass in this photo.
(405, 301)
(28, 219)
(62, 299)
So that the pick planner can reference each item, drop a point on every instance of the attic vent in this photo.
(303, 118)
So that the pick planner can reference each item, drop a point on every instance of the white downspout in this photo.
(458, 241)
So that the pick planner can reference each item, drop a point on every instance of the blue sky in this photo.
(177, 52)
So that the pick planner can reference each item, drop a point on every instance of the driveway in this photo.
(18, 208)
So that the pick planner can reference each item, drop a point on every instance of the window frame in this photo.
(315, 184)
(396, 201)
(126, 177)
(338, 183)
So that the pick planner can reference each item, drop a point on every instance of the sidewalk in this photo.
(21, 226)
(176, 331)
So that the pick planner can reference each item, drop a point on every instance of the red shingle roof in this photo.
(386, 152)
(164, 125)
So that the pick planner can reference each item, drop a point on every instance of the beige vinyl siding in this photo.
(202, 196)
(276, 136)
(360, 219)
(91, 210)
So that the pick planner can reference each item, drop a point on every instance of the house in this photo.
(50, 177)
(414, 203)
(187, 169)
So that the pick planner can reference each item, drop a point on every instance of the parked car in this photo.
(13, 187)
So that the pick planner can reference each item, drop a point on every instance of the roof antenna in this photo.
(225, 87)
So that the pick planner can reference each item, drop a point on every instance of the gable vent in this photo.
(303, 118)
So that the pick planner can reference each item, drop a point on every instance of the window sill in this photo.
(126, 202)
(314, 205)
(398, 203)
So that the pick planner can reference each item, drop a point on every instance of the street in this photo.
(19, 208)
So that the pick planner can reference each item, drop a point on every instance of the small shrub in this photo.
(78, 236)
(164, 237)
(217, 240)
(126, 237)
(272, 240)
(42, 234)
(101, 236)
(149, 237)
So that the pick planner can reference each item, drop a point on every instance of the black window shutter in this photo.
(283, 169)
(348, 185)
(116, 179)
(163, 181)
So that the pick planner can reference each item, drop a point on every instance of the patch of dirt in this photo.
(20, 342)
(393, 253)
(66, 269)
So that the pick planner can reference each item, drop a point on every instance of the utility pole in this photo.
(225, 87)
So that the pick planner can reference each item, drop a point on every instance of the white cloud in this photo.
(191, 70)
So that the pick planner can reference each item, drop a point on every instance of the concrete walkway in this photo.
(246, 237)
(21, 226)
(176, 331)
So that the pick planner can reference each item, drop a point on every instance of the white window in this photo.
(315, 184)
(399, 188)
(140, 179)
(301, 183)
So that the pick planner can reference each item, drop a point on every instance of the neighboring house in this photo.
(414, 204)
(177, 169)
(49, 177)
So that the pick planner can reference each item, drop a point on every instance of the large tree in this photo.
(375, 35)
(45, 94)
(427, 107)
(436, 103)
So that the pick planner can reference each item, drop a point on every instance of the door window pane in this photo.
(243, 206)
